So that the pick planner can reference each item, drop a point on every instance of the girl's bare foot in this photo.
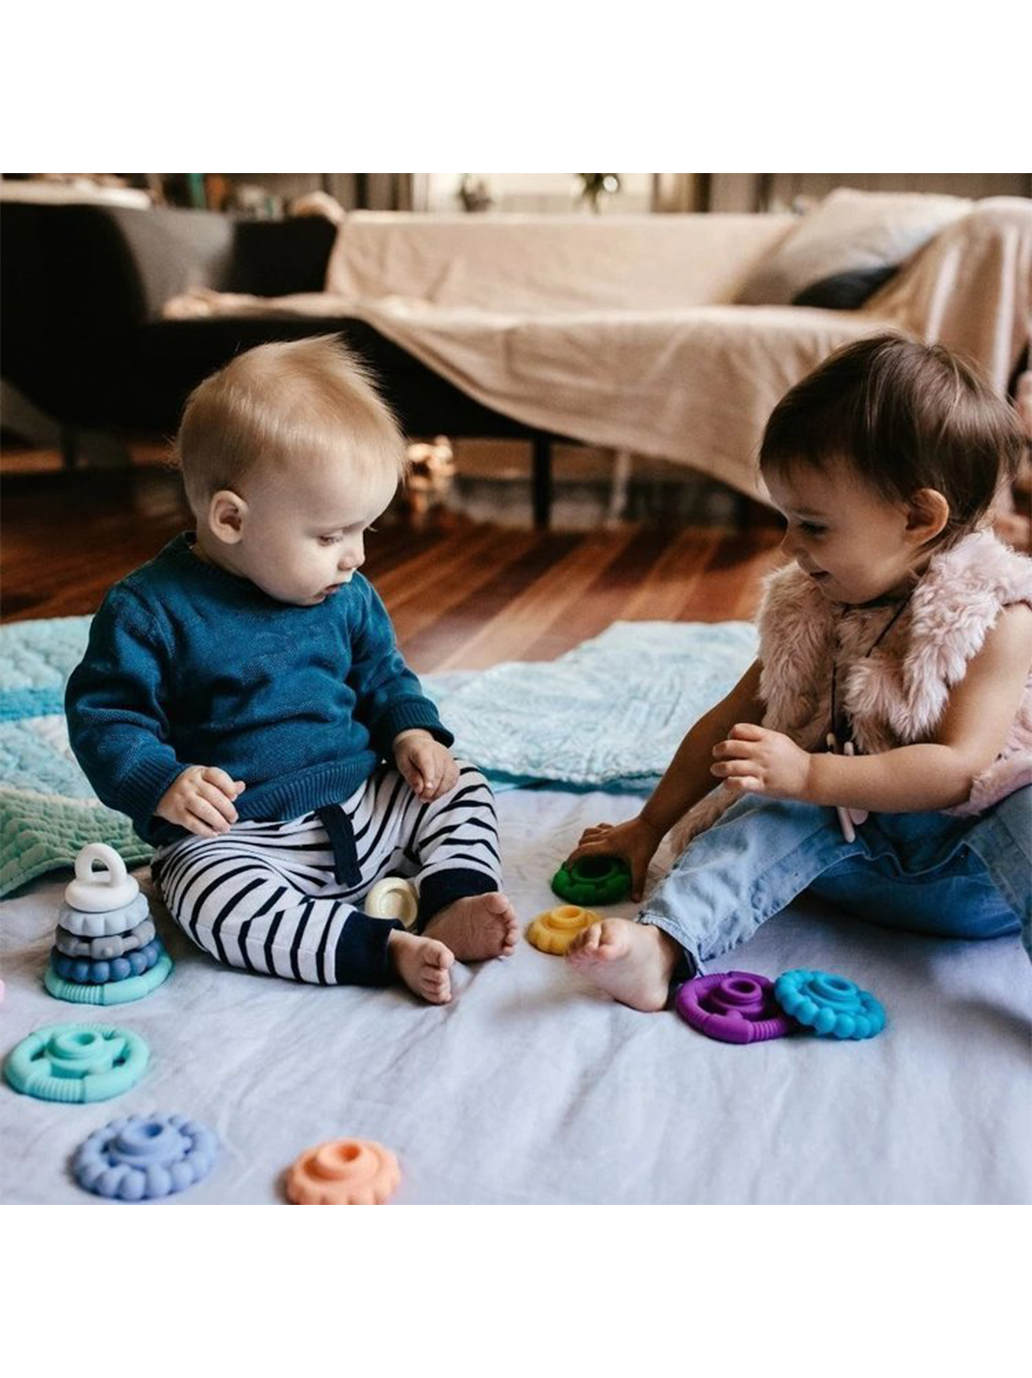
(423, 964)
(476, 927)
(632, 962)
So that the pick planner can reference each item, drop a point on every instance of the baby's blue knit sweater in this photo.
(188, 664)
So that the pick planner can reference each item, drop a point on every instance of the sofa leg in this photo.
(69, 445)
(623, 466)
(542, 481)
(743, 512)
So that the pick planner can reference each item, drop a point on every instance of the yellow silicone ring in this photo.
(555, 929)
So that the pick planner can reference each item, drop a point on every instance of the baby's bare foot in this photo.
(476, 927)
(632, 962)
(423, 964)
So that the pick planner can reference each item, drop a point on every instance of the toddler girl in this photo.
(243, 701)
(879, 750)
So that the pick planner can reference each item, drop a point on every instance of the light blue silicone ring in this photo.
(145, 1156)
(117, 969)
(77, 1063)
(121, 920)
(112, 992)
(828, 1004)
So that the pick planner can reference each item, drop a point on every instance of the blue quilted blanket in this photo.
(607, 715)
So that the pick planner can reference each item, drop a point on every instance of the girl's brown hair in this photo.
(904, 416)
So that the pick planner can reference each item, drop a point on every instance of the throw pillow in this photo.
(848, 246)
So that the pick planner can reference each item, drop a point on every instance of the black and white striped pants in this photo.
(280, 897)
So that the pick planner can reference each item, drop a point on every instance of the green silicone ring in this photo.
(112, 992)
(593, 880)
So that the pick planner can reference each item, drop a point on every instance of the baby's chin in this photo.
(308, 600)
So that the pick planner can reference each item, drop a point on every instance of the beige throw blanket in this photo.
(623, 332)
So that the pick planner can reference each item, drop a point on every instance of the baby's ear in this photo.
(927, 514)
(226, 513)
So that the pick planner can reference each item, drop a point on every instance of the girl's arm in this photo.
(926, 776)
(686, 779)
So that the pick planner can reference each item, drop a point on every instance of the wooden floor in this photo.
(461, 595)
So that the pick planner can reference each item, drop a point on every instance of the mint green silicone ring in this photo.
(112, 992)
(77, 1063)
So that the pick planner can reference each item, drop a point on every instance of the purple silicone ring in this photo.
(734, 1007)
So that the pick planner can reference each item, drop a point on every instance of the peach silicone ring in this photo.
(343, 1172)
(555, 929)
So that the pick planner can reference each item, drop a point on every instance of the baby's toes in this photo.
(585, 944)
(497, 904)
(439, 957)
(435, 985)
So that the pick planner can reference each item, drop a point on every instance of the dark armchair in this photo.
(82, 337)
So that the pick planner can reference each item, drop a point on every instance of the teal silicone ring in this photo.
(112, 992)
(77, 1063)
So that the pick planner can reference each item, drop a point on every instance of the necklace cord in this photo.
(874, 644)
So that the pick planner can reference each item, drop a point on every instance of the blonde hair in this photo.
(282, 403)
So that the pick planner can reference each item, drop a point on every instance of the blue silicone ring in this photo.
(830, 1005)
(145, 1156)
(85, 972)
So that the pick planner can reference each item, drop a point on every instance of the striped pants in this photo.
(280, 898)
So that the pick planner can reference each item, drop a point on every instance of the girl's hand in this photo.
(428, 767)
(201, 800)
(635, 841)
(755, 760)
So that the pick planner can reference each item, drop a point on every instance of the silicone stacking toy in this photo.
(555, 929)
(593, 880)
(830, 1005)
(111, 992)
(393, 897)
(343, 1172)
(734, 1007)
(145, 1156)
(77, 1063)
(97, 973)
(104, 949)
(115, 954)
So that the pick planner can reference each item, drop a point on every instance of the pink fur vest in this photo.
(898, 693)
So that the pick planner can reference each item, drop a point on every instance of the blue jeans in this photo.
(932, 872)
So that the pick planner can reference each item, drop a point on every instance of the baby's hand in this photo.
(755, 760)
(635, 841)
(428, 767)
(201, 800)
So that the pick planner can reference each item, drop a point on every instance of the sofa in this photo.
(668, 335)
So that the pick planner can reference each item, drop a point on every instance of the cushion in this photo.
(47, 809)
(848, 246)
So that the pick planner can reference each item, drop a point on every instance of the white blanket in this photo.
(529, 1087)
